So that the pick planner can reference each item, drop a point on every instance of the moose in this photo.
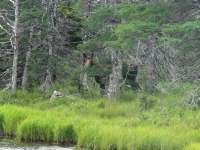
(129, 72)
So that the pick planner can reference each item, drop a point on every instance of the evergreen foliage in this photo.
(139, 21)
(31, 14)
(186, 34)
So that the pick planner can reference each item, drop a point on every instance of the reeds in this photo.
(114, 137)
(97, 132)
(12, 117)
(101, 125)
(33, 125)
(36, 129)
(65, 132)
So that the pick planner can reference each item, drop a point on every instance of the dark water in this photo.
(11, 144)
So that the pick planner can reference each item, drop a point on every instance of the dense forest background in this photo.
(42, 42)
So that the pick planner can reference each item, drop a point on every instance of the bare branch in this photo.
(8, 71)
(8, 21)
(192, 99)
(11, 41)
(160, 88)
(12, 2)
(7, 87)
(3, 28)
(4, 42)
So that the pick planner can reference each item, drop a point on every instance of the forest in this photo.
(80, 48)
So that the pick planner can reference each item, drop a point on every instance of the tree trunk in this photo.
(114, 87)
(48, 77)
(15, 47)
(28, 54)
(152, 62)
(51, 48)
(83, 77)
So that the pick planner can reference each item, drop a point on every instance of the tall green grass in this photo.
(93, 131)
(193, 146)
(65, 131)
(100, 136)
(37, 129)
(34, 125)
(134, 121)
(12, 116)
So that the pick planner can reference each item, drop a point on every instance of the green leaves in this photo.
(188, 28)
(100, 19)
(30, 14)
(131, 32)
(187, 34)
(69, 11)
(38, 61)
(139, 22)
(156, 13)
(98, 42)
(65, 10)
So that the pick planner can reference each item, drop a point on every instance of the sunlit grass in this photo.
(12, 117)
(138, 121)
(37, 129)
(192, 146)
(94, 131)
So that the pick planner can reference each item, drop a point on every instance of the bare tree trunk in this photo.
(15, 47)
(28, 54)
(113, 4)
(105, 3)
(48, 82)
(48, 78)
(83, 78)
(152, 62)
(51, 47)
(114, 86)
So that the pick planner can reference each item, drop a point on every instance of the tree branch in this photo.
(3, 28)
(12, 2)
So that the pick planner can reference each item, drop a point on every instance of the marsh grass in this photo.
(98, 136)
(192, 146)
(1, 122)
(150, 121)
(37, 129)
(93, 131)
(12, 117)
(65, 132)
(21, 98)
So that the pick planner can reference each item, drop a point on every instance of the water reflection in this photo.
(10, 144)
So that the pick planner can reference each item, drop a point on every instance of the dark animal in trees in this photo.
(129, 72)
(99, 71)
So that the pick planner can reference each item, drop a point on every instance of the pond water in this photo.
(11, 144)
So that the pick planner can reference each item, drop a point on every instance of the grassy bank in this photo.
(134, 121)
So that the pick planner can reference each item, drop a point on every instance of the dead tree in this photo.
(114, 86)
(14, 37)
(28, 55)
